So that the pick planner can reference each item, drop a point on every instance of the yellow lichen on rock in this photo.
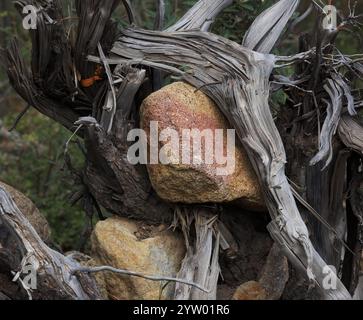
(117, 242)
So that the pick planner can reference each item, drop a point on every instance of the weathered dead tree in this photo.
(24, 247)
(97, 83)
(57, 276)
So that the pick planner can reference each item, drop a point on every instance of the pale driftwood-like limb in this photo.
(351, 133)
(131, 83)
(267, 28)
(55, 279)
(111, 99)
(201, 15)
(319, 267)
(243, 98)
(200, 264)
(334, 109)
(130, 11)
(140, 275)
(63, 275)
(160, 15)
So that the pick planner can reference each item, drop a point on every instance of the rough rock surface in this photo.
(275, 274)
(30, 211)
(251, 290)
(180, 106)
(123, 244)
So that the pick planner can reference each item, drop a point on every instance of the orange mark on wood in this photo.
(89, 82)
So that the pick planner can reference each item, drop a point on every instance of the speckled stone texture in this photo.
(180, 106)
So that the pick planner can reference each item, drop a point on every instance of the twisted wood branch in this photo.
(55, 279)
(242, 95)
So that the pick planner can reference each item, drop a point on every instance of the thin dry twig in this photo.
(137, 274)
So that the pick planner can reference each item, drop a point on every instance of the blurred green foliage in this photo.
(37, 171)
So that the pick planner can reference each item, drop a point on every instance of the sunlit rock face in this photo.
(183, 108)
(125, 244)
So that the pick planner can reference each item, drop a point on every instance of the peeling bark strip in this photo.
(54, 271)
(200, 264)
(334, 110)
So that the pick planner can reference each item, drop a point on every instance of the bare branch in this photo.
(268, 26)
(334, 109)
(351, 133)
(137, 274)
(160, 15)
(201, 15)
(129, 10)
(53, 269)
(110, 106)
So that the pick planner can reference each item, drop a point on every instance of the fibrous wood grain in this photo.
(54, 277)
